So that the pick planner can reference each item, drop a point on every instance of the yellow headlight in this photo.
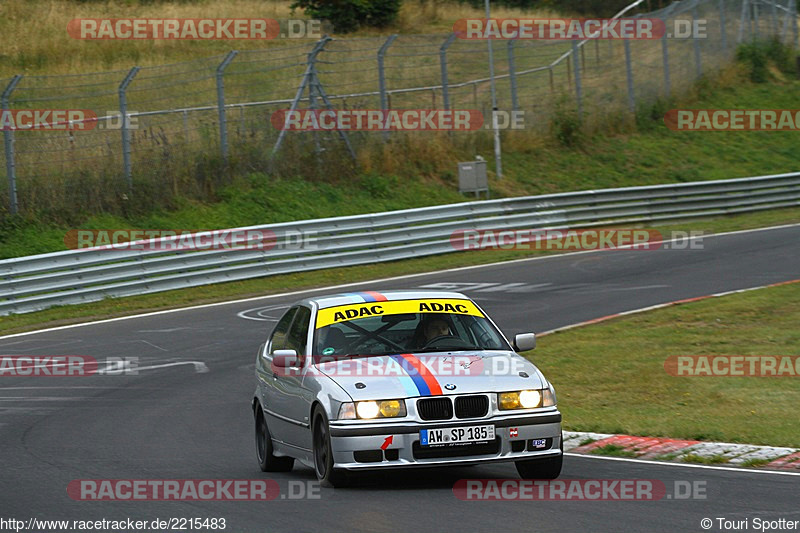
(367, 409)
(508, 400)
(390, 408)
(526, 399)
(529, 399)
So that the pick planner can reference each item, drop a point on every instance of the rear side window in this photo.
(277, 340)
(298, 333)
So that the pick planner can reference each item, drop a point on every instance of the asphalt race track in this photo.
(191, 420)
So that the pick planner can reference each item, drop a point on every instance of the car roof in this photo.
(348, 298)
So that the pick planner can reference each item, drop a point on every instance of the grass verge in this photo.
(611, 377)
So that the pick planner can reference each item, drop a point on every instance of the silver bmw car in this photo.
(369, 380)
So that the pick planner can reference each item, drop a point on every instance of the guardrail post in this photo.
(629, 71)
(126, 134)
(696, 43)
(443, 63)
(743, 20)
(665, 55)
(223, 126)
(722, 26)
(8, 142)
(512, 74)
(382, 76)
(578, 85)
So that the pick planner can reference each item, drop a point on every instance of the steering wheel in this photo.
(434, 340)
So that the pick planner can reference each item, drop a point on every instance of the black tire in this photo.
(323, 453)
(549, 468)
(267, 461)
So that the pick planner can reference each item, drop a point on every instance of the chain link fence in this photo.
(187, 124)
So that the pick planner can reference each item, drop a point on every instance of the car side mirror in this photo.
(524, 342)
(285, 358)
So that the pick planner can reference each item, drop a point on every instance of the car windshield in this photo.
(404, 326)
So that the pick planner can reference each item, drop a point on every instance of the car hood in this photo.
(407, 376)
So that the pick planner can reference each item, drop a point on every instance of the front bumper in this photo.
(350, 441)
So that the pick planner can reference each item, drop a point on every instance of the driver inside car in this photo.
(435, 328)
(430, 327)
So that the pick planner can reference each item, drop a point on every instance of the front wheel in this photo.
(323, 453)
(267, 461)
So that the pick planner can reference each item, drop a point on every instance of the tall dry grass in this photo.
(34, 40)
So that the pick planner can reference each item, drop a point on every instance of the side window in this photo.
(277, 340)
(298, 334)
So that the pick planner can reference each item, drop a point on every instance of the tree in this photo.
(349, 15)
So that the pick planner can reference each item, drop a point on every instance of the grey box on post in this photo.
(472, 177)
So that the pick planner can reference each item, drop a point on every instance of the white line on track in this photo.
(383, 280)
(684, 465)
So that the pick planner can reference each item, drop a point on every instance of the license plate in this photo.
(539, 443)
(450, 436)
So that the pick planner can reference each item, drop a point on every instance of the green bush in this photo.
(758, 56)
(566, 125)
(349, 15)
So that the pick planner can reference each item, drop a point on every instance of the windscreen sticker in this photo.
(343, 313)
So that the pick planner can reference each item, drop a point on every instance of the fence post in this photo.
(756, 20)
(443, 63)
(8, 141)
(578, 85)
(382, 77)
(512, 74)
(126, 134)
(382, 73)
(743, 21)
(223, 126)
(696, 43)
(723, 29)
(665, 55)
(785, 27)
(773, 24)
(629, 71)
(307, 75)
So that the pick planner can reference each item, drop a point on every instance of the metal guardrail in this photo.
(61, 278)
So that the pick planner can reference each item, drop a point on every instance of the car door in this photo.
(292, 399)
(267, 378)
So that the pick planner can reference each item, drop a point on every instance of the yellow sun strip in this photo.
(343, 313)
